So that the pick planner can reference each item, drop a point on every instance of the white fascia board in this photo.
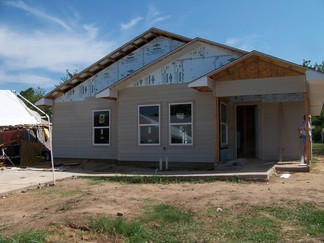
(201, 82)
(44, 101)
(107, 93)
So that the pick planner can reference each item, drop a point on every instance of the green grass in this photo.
(32, 236)
(169, 223)
(165, 214)
(133, 179)
(307, 217)
(61, 193)
(156, 179)
(318, 149)
(132, 231)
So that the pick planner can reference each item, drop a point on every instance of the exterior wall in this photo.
(292, 115)
(202, 149)
(72, 129)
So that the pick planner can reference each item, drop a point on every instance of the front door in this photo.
(246, 131)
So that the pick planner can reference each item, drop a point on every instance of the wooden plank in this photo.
(216, 125)
(280, 131)
(308, 139)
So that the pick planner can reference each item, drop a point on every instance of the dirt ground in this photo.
(66, 204)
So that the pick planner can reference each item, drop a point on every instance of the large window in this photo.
(180, 120)
(223, 124)
(149, 125)
(101, 127)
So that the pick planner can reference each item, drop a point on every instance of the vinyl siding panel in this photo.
(202, 149)
(72, 130)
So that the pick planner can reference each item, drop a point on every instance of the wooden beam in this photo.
(308, 138)
(280, 131)
(216, 132)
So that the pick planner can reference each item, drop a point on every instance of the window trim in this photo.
(185, 123)
(93, 129)
(146, 125)
(221, 123)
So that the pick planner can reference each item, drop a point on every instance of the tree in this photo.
(317, 121)
(316, 67)
(67, 76)
(34, 95)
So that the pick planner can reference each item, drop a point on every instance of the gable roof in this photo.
(160, 62)
(125, 50)
(265, 62)
(111, 58)
(250, 66)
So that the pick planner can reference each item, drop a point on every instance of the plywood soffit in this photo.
(255, 66)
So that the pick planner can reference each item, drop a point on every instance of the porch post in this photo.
(280, 130)
(216, 127)
(308, 143)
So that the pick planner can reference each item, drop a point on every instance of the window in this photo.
(180, 129)
(223, 124)
(149, 125)
(101, 127)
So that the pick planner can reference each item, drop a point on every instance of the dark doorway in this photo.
(246, 124)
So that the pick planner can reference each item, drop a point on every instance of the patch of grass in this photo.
(61, 193)
(311, 219)
(32, 236)
(318, 148)
(134, 179)
(165, 214)
(307, 216)
(133, 231)
(155, 179)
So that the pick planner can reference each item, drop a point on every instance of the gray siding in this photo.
(202, 149)
(72, 129)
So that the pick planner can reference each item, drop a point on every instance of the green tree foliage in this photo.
(317, 121)
(68, 76)
(33, 95)
(316, 66)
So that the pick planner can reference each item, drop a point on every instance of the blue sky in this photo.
(40, 39)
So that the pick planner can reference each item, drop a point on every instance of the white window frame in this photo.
(185, 123)
(223, 124)
(147, 125)
(93, 128)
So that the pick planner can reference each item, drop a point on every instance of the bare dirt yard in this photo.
(219, 211)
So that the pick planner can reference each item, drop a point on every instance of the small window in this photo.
(180, 120)
(149, 125)
(223, 124)
(101, 127)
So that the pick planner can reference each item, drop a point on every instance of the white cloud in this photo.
(38, 13)
(131, 23)
(27, 79)
(153, 16)
(49, 51)
(247, 43)
(27, 56)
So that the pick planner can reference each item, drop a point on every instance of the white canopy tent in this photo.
(14, 112)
